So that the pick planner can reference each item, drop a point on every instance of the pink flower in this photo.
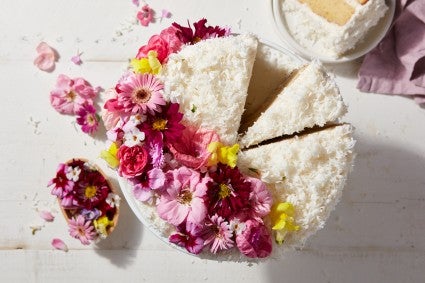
(191, 148)
(165, 125)
(201, 32)
(145, 15)
(46, 58)
(183, 197)
(219, 234)
(61, 183)
(189, 237)
(164, 44)
(69, 94)
(261, 199)
(165, 14)
(87, 118)
(76, 59)
(143, 185)
(81, 229)
(110, 118)
(255, 240)
(59, 245)
(132, 160)
(135, 2)
(139, 94)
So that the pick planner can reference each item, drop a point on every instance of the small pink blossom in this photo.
(255, 240)
(81, 229)
(191, 148)
(76, 59)
(183, 197)
(46, 58)
(165, 14)
(59, 245)
(189, 236)
(260, 197)
(144, 187)
(219, 234)
(46, 215)
(145, 15)
(132, 160)
(136, 2)
(87, 118)
(62, 185)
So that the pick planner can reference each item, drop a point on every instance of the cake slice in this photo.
(309, 171)
(210, 82)
(331, 27)
(309, 98)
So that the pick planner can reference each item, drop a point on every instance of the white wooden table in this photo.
(376, 233)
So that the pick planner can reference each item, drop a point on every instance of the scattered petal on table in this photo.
(46, 215)
(46, 58)
(59, 245)
(77, 59)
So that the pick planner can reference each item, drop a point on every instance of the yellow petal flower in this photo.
(150, 64)
(224, 154)
(101, 225)
(282, 220)
(154, 62)
(110, 156)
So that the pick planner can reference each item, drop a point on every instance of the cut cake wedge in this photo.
(210, 82)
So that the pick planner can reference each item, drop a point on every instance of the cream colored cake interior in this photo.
(334, 11)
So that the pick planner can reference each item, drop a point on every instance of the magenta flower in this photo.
(69, 94)
(189, 237)
(81, 229)
(145, 15)
(201, 32)
(61, 183)
(255, 240)
(165, 125)
(228, 192)
(191, 148)
(140, 93)
(183, 197)
(148, 182)
(132, 160)
(91, 189)
(260, 198)
(219, 234)
(87, 118)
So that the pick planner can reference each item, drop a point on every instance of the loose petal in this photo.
(59, 245)
(46, 215)
(46, 58)
(136, 2)
(77, 59)
(165, 14)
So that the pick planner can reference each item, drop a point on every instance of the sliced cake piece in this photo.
(309, 171)
(310, 98)
(210, 82)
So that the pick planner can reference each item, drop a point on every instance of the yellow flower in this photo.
(150, 64)
(282, 220)
(110, 156)
(101, 225)
(223, 154)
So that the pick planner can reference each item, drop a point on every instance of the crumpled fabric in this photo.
(397, 64)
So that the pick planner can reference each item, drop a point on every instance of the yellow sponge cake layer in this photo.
(334, 11)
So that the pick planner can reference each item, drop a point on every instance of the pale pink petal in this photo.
(136, 2)
(198, 211)
(59, 245)
(77, 59)
(46, 215)
(165, 14)
(46, 58)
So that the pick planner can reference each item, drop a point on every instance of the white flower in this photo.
(237, 226)
(133, 121)
(134, 137)
(113, 200)
(73, 174)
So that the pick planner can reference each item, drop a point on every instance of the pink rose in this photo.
(174, 43)
(260, 198)
(255, 240)
(191, 148)
(132, 160)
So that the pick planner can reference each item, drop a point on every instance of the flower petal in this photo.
(46, 58)
(59, 245)
(46, 215)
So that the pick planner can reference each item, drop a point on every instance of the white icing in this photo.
(316, 33)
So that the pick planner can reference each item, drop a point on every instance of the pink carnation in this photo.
(183, 198)
(255, 240)
(69, 94)
(132, 160)
(261, 199)
(191, 148)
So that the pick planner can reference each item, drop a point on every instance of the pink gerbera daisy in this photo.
(140, 93)
(219, 234)
(81, 229)
(87, 118)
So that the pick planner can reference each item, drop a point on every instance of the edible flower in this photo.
(145, 15)
(151, 64)
(283, 220)
(101, 225)
(110, 156)
(224, 154)
(81, 229)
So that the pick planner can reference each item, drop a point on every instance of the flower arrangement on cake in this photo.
(87, 200)
(186, 172)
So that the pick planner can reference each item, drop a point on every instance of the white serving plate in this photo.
(372, 38)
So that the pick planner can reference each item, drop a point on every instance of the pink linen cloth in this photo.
(397, 64)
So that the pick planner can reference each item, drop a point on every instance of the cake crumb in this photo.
(35, 124)
(35, 228)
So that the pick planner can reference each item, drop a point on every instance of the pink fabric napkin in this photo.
(397, 64)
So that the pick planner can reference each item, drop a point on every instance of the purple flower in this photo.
(87, 118)
(189, 237)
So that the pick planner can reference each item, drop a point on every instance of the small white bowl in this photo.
(372, 38)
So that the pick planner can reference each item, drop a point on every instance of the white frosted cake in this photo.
(331, 27)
